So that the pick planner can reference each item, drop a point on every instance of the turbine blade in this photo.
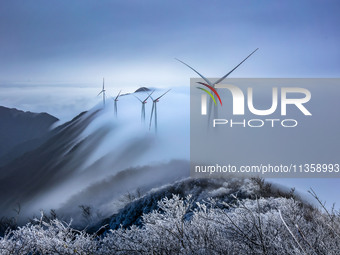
(138, 99)
(149, 95)
(118, 95)
(162, 95)
(103, 83)
(100, 92)
(225, 76)
(207, 81)
(153, 107)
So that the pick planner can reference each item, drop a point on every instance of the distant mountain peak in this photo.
(142, 89)
(17, 127)
(13, 112)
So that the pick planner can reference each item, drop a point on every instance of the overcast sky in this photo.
(133, 41)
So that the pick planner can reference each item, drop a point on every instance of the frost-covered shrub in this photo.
(53, 237)
(260, 226)
(180, 226)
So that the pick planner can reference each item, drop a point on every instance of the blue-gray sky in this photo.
(135, 41)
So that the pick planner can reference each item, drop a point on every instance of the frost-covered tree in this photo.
(181, 226)
(260, 226)
(53, 237)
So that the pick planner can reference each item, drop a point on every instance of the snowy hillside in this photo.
(221, 217)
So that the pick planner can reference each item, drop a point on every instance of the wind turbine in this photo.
(115, 105)
(103, 92)
(154, 109)
(212, 84)
(143, 106)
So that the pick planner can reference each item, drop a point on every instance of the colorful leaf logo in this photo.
(209, 93)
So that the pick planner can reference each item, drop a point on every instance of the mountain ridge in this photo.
(19, 127)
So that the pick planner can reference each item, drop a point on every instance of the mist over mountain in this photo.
(41, 168)
(20, 131)
(95, 159)
(108, 196)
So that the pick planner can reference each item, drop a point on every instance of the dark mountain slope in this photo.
(44, 167)
(21, 131)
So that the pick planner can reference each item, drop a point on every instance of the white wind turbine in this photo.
(103, 92)
(212, 84)
(143, 106)
(115, 104)
(154, 109)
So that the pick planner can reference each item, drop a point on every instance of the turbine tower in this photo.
(143, 106)
(103, 92)
(212, 84)
(154, 109)
(115, 105)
